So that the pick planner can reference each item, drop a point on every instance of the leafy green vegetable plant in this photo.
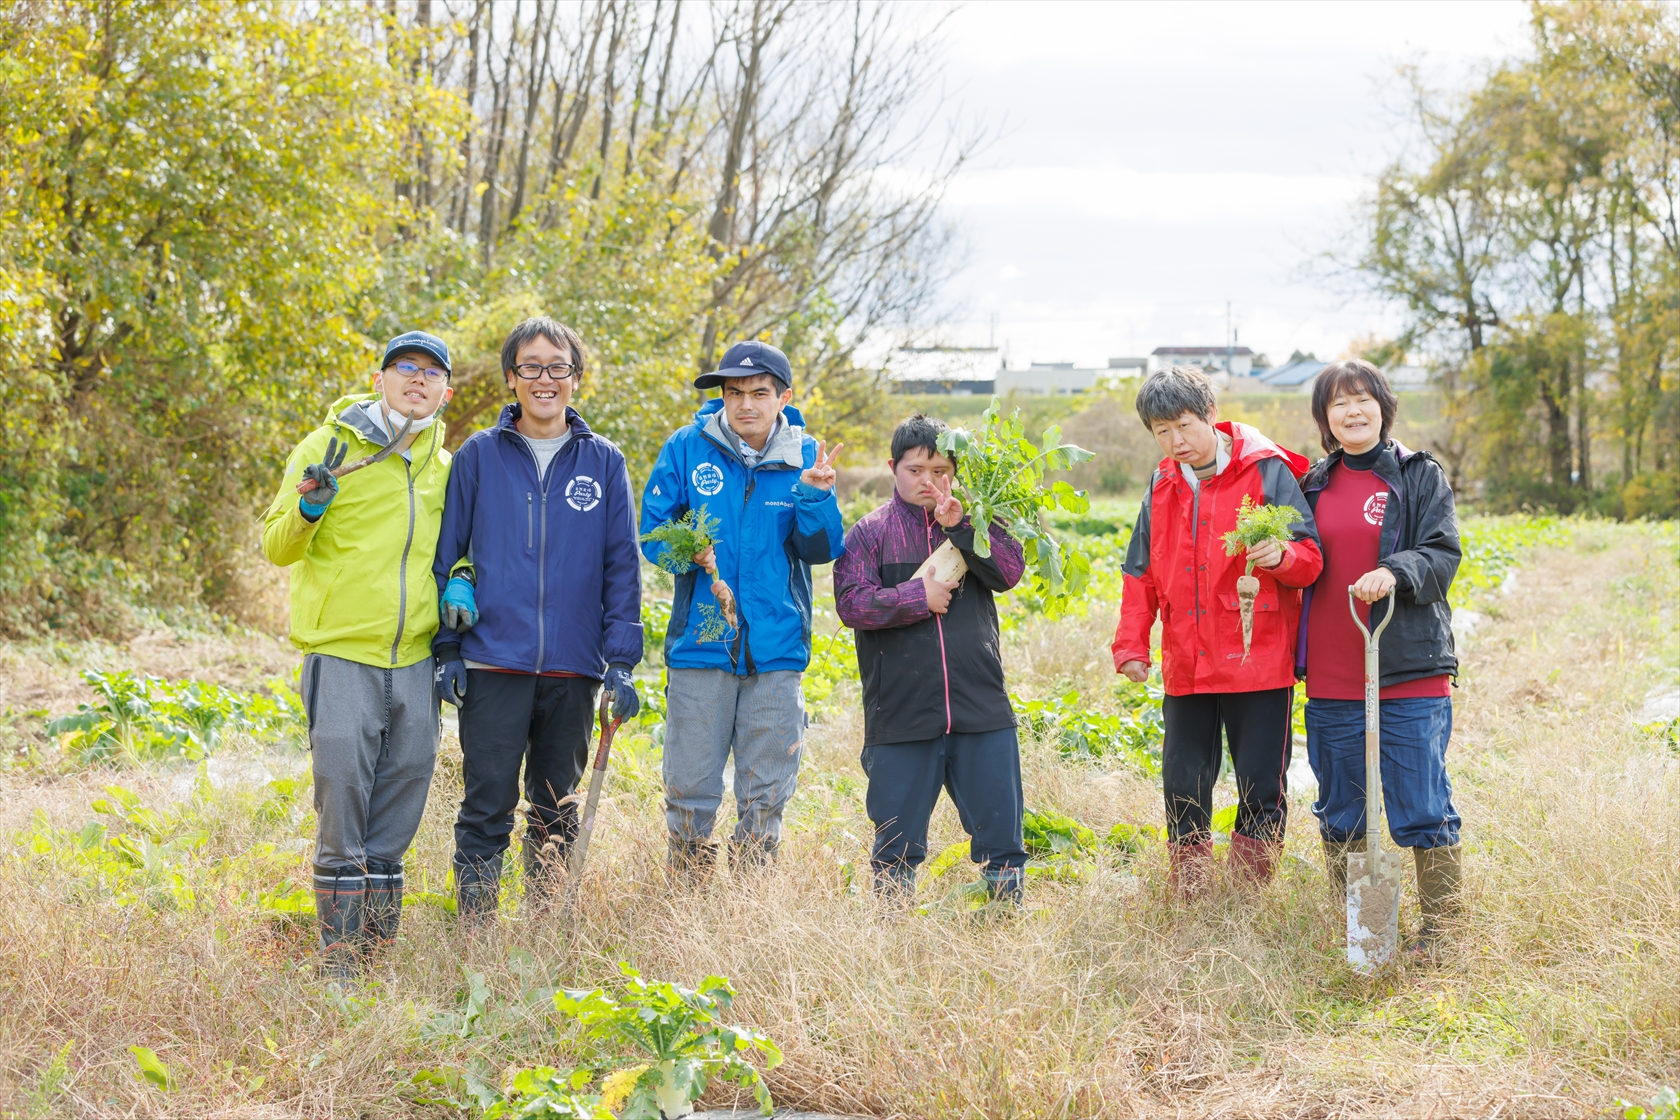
(144, 717)
(1664, 1106)
(677, 1030)
(684, 539)
(1001, 477)
(1255, 523)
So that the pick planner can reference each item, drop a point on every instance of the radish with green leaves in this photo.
(1255, 525)
(1000, 477)
(688, 542)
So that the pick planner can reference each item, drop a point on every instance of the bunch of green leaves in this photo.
(141, 718)
(1257, 523)
(137, 855)
(684, 538)
(1001, 477)
(1664, 1106)
(1078, 731)
(679, 1033)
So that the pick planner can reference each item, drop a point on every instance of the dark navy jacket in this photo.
(1419, 544)
(772, 529)
(559, 576)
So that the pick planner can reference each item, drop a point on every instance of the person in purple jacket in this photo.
(541, 596)
(936, 714)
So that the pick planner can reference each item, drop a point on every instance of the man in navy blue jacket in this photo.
(541, 595)
(747, 460)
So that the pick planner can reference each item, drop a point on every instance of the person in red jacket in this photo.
(1176, 569)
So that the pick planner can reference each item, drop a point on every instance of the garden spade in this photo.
(1373, 876)
(597, 778)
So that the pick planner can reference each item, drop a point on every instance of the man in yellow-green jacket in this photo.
(364, 609)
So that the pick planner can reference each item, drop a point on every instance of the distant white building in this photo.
(1403, 379)
(1050, 379)
(1234, 361)
(958, 370)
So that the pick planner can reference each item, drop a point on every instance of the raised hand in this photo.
(319, 485)
(821, 473)
(948, 509)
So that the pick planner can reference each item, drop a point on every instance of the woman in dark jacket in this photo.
(1389, 531)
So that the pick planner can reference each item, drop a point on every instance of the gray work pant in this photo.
(708, 713)
(373, 741)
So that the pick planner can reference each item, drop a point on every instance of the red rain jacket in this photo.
(1176, 569)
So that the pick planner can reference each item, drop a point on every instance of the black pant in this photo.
(982, 773)
(1257, 725)
(510, 718)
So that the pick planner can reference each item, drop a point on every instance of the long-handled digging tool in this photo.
(597, 778)
(1373, 876)
(343, 469)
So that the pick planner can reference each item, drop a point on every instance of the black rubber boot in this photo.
(1005, 884)
(383, 909)
(894, 884)
(478, 891)
(340, 900)
(543, 863)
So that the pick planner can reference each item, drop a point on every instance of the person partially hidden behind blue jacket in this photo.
(541, 597)
(747, 461)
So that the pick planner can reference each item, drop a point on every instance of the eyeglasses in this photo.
(409, 369)
(530, 371)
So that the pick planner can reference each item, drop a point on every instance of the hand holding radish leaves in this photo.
(1256, 526)
(1001, 477)
(689, 542)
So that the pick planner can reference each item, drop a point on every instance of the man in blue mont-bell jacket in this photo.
(541, 596)
(747, 461)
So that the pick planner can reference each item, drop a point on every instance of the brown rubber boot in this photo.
(1253, 861)
(691, 861)
(1335, 861)
(1192, 868)
(1440, 880)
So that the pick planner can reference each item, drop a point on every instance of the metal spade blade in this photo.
(1373, 876)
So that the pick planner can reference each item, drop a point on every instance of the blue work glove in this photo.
(449, 681)
(313, 504)
(625, 701)
(459, 607)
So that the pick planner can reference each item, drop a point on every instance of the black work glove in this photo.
(625, 701)
(449, 681)
(315, 503)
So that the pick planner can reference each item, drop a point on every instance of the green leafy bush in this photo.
(1131, 736)
(142, 718)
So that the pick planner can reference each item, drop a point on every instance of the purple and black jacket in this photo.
(924, 675)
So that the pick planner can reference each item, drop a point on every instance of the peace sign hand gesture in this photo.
(821, 474)
(947, 509)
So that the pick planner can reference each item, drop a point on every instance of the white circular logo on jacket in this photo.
(707, 478)
(1375, 506)
(583, 493)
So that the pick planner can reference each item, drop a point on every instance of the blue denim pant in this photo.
(982, 773)
(1417, 794)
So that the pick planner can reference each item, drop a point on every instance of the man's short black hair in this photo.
(920, 430)
(541, 326)
(1169, 393)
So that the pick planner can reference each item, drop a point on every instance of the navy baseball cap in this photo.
(745, 359)
(421, 341)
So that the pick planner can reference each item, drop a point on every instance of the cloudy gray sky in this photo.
(1159, 159)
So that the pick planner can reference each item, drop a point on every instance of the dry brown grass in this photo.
(1102, 1000)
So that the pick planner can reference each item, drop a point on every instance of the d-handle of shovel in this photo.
(1373, 735)
(597, 778)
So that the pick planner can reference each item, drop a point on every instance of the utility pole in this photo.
(1230, 339)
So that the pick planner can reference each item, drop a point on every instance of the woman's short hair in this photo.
(1355, 375)
(1169, 393)
(541, 326)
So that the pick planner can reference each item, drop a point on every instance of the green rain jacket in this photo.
(362, 585)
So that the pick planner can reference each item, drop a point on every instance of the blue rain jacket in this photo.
(559, 579)
(772, 528)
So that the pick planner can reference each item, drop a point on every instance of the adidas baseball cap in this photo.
(745, 359)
